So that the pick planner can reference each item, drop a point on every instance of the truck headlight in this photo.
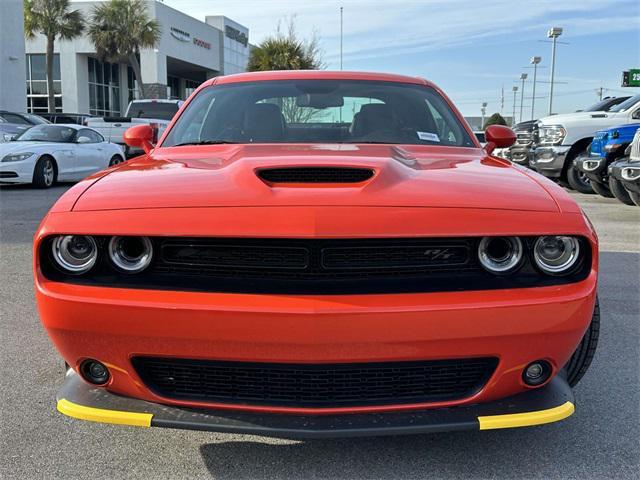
(630, 174)
(552, 134)
(17, 157)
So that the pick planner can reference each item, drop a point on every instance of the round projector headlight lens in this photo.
(556, 254)
(130, 254)
(75, 253)
(500, 254)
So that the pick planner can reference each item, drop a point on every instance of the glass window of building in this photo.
(104, 88)
(37, 91)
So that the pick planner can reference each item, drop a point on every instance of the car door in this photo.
(89, 153)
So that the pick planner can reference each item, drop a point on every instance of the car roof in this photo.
(314, 75)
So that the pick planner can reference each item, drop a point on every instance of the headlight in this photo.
(500, 254)
(552, 134)
(130, 254)
(17, 157)
(75, 253)
(591, 164)
(556, 255)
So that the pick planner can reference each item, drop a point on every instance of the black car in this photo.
(75, 118)
(21, 118)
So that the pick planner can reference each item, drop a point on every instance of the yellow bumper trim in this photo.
(105, 416)
(527, 419)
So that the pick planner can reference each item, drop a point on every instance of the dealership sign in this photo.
(237, 35)
(186, 37)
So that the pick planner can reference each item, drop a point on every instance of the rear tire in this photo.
(578, 180)
(601, 189)
(581, 359)
(115, 160)
(44, 173)
(619, 191)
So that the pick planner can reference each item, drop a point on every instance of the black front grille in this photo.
(314, 266)
(317, 385)
(8, 174)
(315, 175)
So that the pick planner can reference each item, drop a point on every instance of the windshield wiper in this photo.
(204, 142)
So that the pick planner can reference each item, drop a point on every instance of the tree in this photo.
(53, 19)
(495, 119)
(286, 52)
(119, 29)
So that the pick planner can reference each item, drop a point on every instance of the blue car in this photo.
(607, 147)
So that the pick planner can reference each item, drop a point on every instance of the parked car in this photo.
(45, 154)
(28, 119)
(627, 170)
(521, 151)
(607, 146)
(8, 131)
(66, 118)
(560, 139)
(139, 112)
(296, 273)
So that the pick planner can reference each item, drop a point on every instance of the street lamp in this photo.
(523, 77)
(513, 117)
(534, 61)
(553, 34)
(484, 111)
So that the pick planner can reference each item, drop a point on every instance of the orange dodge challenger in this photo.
(316, 254)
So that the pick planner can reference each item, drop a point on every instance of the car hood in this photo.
(407, 176)
(19, 147)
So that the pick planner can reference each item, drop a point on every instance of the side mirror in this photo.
(83, 140)
(140, 136)
(498, 136)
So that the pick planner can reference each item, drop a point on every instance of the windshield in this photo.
(153, 110)
(47, 133)
(319, 111)
(605, 105)
(624, 106)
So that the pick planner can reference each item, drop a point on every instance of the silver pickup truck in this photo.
(158, 112)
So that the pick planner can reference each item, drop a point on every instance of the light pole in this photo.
(513, 118)
(553, 34)
(535, 61)
(484, 111)
(523, 77)
(340, 38)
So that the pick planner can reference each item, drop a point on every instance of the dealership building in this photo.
(188, 53)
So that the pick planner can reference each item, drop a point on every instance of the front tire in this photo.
(619, 191)
(635, 197)
(601, 189)
(44, 173)
(581, 359)
(578, 180)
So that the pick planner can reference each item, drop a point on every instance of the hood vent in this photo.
(315, 175)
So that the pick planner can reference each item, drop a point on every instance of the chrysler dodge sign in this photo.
(237, 35)
(186, 37)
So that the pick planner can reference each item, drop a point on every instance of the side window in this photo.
(90, 134)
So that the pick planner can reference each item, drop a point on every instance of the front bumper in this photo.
(594, 167)
(549, 161)
(548, 404)
(616, 169)
(16, 172)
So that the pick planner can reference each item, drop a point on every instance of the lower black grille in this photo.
(315, 175)
(318, 385)
(8, 174)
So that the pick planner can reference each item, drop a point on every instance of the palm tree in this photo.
(286, 52)
(53, 19)
(119, 29)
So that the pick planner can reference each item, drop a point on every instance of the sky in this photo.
(472, 49)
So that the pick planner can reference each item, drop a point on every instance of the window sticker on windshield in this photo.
(431, 137)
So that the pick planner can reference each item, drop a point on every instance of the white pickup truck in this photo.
(158, 112)
(559, 139)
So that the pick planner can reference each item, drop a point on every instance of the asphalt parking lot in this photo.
(601, 440)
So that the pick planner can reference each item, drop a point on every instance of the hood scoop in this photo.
(294, 175)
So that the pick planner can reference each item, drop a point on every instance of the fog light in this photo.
(94, 372)
(630, 174)
(536, 373)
